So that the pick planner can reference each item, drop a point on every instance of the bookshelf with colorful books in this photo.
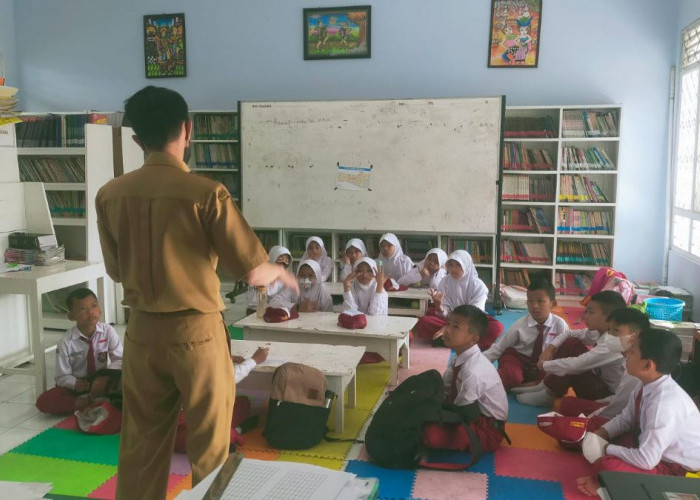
(215, 148)
(574, 194)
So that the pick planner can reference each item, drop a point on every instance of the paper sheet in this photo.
(24, 491)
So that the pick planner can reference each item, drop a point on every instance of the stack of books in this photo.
(584, 123)
(573, 221)
(66, 203)
(520, 277)
(215, 156)
(480, 250)
(583, 253)
(528, 188)
(580, 189)
(212, 127)
(525, 252)
(56, 131)
(530, 126)
(517, 157)
(572, 283)
(526, 220)
(52, 169)
(574, 158)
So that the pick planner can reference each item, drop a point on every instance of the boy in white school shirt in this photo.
(87, 347)
(471, 378)
(660, 415)
(518, 351)
(567, 362)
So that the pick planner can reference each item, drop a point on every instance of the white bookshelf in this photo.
(575, 152)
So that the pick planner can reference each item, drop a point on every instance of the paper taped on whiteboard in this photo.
(353, 178)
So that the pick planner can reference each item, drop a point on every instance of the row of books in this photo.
(228, 179)
(572, 283)
(578, 188)
(528, 188)
(530, 126)
(66, 203)
(574, 158)
(527, 220)
(215, 127)
(215, 156)
(583, 253)
(573, 221)
(520, 277)
(55, 130)
(50, 169)
(480, 250)
(517, 157)
(525, 252)
(584, 123)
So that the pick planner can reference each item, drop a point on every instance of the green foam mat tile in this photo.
(73, 445)
(69, 477)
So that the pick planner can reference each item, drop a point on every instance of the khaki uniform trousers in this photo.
(173, 360)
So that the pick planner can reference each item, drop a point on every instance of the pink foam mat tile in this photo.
(444, 485)
(561, 466)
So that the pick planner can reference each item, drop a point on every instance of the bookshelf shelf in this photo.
(583, 143)
(215, 148)
(68, 221)
(51, 151)
(64, 186)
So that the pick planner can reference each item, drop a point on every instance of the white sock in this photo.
(528, 388)
(539, 398)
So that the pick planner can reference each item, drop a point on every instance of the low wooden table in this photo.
(337, 362)
(419, 294)
(386, 335)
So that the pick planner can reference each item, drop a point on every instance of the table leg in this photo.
(423, 307)
(406, 357)
(393, 362)
(335, 384)
(352, 391)
(35, 330)
(101, 297)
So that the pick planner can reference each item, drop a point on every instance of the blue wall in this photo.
(78, 54)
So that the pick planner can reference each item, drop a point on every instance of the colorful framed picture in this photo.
(337, 32)
(515, 33)
(164, 45)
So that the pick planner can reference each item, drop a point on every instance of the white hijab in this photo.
(276, 286)
(357, 243)
(364, 293)
(324, 261)
(436, 279)
(314, 292)
(394, 266)
(469, 287)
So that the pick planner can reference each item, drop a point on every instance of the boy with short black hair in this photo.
(568, 362)
(518, 351)
(87, 347)
(470, 378)
(660, 415)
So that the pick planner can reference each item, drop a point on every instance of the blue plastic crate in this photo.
(665, 308)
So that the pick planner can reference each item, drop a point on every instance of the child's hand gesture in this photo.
(348, 281)
(343, 257)
(380, 279)
(439, 333)
(424, 272)
(260, 354)
(436, 296)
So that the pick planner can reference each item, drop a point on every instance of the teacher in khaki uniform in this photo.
(163, 230)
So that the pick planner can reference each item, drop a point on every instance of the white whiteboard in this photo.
(434, 164)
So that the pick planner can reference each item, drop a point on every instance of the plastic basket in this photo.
(665, 308)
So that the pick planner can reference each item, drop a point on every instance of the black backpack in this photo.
(299, 407)
(393, 437)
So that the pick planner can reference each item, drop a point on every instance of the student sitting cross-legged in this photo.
(518, 351)
(568, 362)
(663, 420)
(471, 378)
(87, 347)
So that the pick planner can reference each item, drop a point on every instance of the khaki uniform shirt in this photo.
(163, 230)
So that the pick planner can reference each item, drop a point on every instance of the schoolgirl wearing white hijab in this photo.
(316, 250)
(429, 272)
(277, 255)
(354, 250)
(363, 289)
(394, 263)
(313, 294)
(462, 285)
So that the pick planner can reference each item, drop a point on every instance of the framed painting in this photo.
(164, 45)
(515, 33)
(337, 32)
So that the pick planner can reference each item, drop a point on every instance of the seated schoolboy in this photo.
(278, 255)
(625, 324)
(518, 351)
(87, 347)
(241, 422)
(660, 415)
(568, 362)
(354, 250)
(363, 289)
(394, 263)
(470, 378)
(461, 286)
(429, 272)
(316, 251)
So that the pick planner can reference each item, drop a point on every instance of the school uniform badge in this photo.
(102, 357)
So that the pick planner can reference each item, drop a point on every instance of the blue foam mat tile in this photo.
(507, 316)
(393, 483)
(519, 413)
(511, 488)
